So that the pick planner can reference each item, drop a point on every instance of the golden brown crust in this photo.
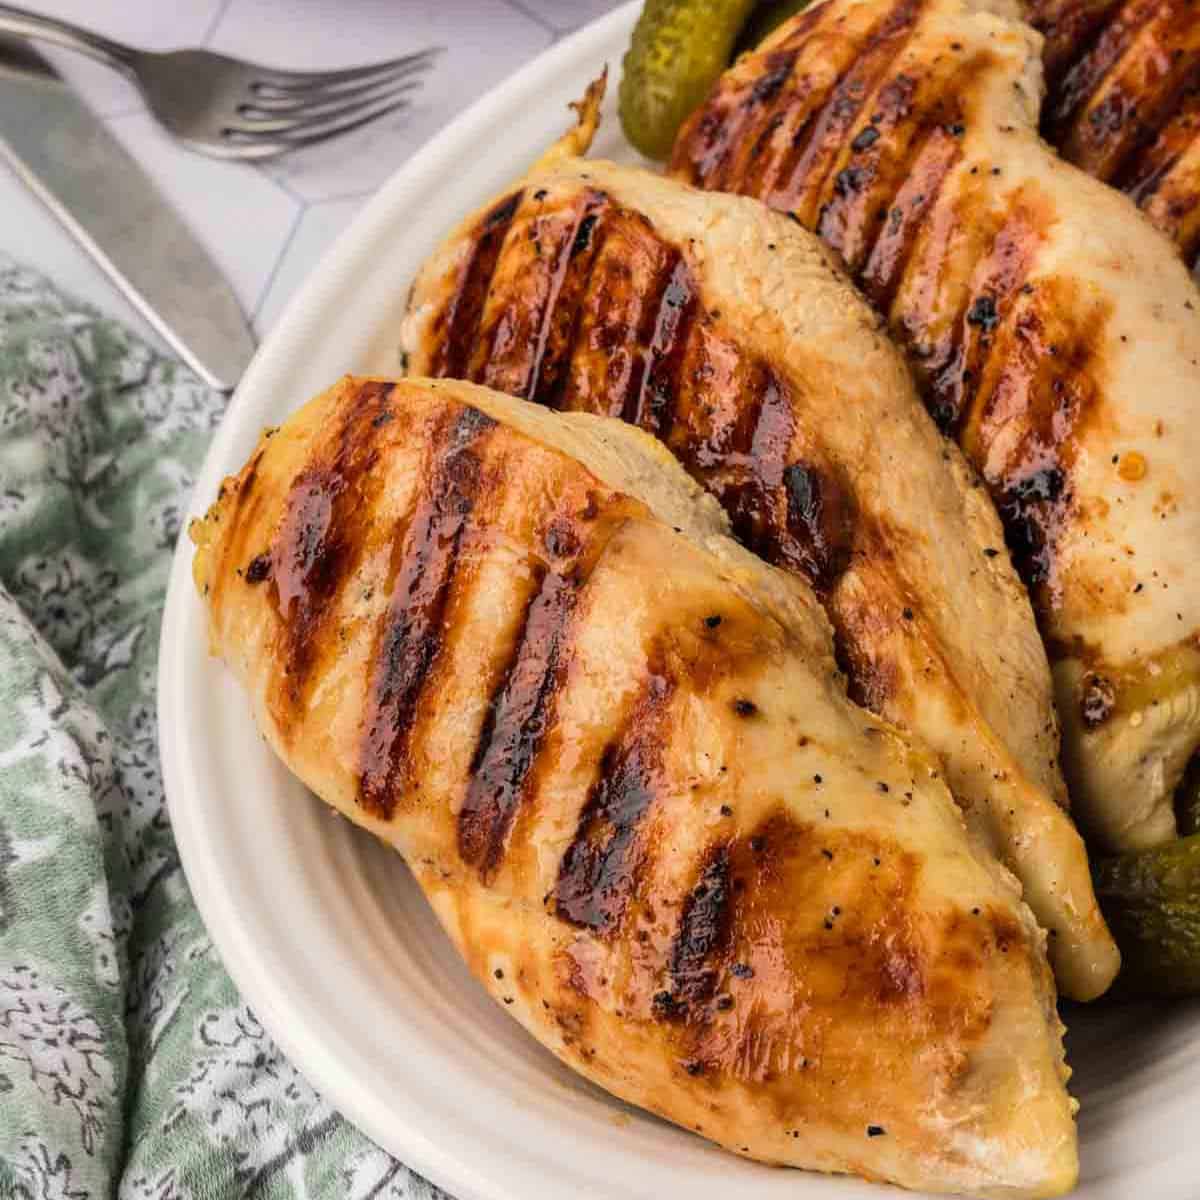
(1054, 336)
(648, 815)
(617, 293)
(1123, 80)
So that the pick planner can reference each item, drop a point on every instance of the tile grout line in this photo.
(537, 18)
(281, 185)
(265, 291)
(218, 17)
(363, 194)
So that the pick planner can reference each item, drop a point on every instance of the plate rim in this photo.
(229, 935)
(434, 1159)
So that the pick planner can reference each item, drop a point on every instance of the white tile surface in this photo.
(267, 226)
(565, 15)
(242, 217)
(485, 41)
(317, 228)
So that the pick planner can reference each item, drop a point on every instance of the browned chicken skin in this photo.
(639, 800)
(1055, 336)
(1123, 101)
(728, 332)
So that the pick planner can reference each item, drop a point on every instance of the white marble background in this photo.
(267, 226)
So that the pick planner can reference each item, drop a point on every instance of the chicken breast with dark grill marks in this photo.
(730, 334)
(1054, 333)
(1123, 101)
(639, 799)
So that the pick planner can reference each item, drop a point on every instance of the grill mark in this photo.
(654, 406)
(522, 709)
(715, 134)
(597, 874)
(458, 322)
(1069, 33)
(703, 932)
(759, 168)
(1151, 170)
(411, 636)
(995, 281)
(886, 154)
(761, 108)
(731, 424)
(938, 154)
(516, 723)
(826, 137)
(1024, 432)
(553, 371)
(1086, 74)
(617, 316)
(520, 337)
(320, 538)
(1138, 97)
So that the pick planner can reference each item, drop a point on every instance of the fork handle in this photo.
(48, 29)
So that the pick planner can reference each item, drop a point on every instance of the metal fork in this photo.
(233, 109)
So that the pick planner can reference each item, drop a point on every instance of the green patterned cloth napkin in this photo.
(129, 1065)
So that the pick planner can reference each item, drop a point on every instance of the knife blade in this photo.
(108, 204)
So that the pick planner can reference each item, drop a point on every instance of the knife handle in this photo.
(48, 29)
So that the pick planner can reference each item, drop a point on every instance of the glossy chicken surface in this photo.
(638, 799)
(1053, 332)
(1123, 101)
(728, 332)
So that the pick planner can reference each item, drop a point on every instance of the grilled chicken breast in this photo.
(729, 333)
(638, 798)
(1123, 101)
(1055, 334)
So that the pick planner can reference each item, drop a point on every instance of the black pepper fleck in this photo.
(259, 568)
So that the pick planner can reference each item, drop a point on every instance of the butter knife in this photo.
(108, 204)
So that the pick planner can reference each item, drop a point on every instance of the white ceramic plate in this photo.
(324, 930)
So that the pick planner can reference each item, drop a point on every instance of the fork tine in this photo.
(299, 82)
(318, 132)
(264, 140)
(298, 100)
(311, 115)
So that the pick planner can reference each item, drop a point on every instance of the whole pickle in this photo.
(679, 48)
(1151, 900)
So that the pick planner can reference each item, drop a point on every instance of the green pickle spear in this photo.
(1187, 800)
(679, 48)
(1151, 900)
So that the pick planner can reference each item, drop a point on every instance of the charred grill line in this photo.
(654, 406)
(551, 361)
(993, 358)
(703, 932)
(1145, 174)
(827, 132)
(597, 874)
(516, 722)
(887, 259)
(996, 282)
(412, 633)
(1122, 103)
(522, 709)
(464, 308)
(1089, 71)
(320, 537)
